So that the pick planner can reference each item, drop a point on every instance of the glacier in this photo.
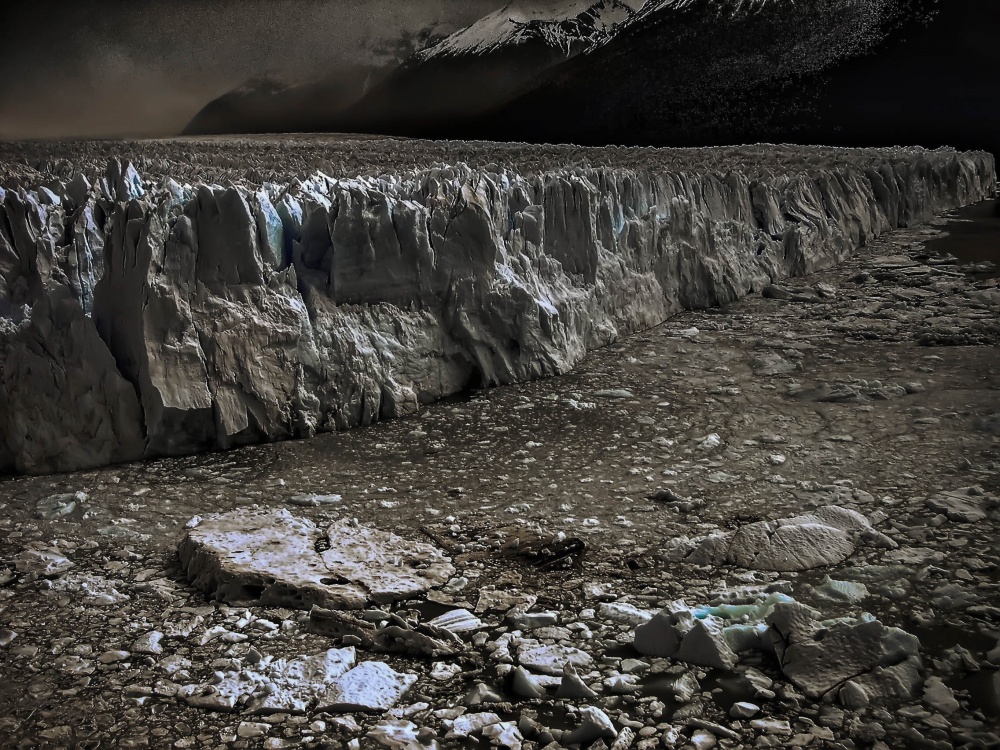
(142, 316)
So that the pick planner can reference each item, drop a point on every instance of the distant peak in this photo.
(570, 26)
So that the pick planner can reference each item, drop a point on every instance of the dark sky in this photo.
(144, 67)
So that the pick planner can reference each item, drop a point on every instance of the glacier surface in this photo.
(141, 316)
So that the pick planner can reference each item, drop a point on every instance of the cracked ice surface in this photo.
(142, 317)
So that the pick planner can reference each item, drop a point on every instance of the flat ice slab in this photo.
(273, 558)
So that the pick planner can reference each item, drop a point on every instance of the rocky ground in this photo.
(580, 561)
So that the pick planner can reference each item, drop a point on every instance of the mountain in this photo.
(666, 72)
(703, 71)
(838, 72)
(272, 105)
(439, 90)
(694, 72)
(570, 27)
(269, 105)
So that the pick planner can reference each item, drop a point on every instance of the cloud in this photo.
(144, 67)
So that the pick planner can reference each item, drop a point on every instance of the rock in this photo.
(853, 695)
(470, 725)
(504, 734)
(48, 564)
(777, 727)
(371, 686)
(252, 729)
(552, 660)
(702, 740)
(743, 710)
(939, 696)
(457, 621)
(572, 687)
(624, 740)
(595, 725)
(624, 614)
(148, 643)
(400, 735)
(820, 658)
(717, 729)
(271, 558)
(705, 645)
(494, 599)
(531, 620)
(113, 657)
(825, 537)
(959, 506)
(685, 687)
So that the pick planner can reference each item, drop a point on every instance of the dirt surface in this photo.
(873, 386)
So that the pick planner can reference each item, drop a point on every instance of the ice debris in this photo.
(827, 536)
(273, 558)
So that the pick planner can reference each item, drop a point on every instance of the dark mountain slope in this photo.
(823, 71)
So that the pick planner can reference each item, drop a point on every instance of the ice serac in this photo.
(140, 317)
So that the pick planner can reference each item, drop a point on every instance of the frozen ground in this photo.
(253, 160)
(559, 502)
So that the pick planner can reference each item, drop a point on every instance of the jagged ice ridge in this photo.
(145, 318)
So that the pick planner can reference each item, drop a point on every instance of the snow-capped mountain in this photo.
(476, 69)
(570, 26)
(694, 72)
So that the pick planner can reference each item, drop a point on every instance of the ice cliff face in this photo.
(142, 318)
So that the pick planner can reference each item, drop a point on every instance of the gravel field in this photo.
(572, 510)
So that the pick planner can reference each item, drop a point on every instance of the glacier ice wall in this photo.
(144, 318)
